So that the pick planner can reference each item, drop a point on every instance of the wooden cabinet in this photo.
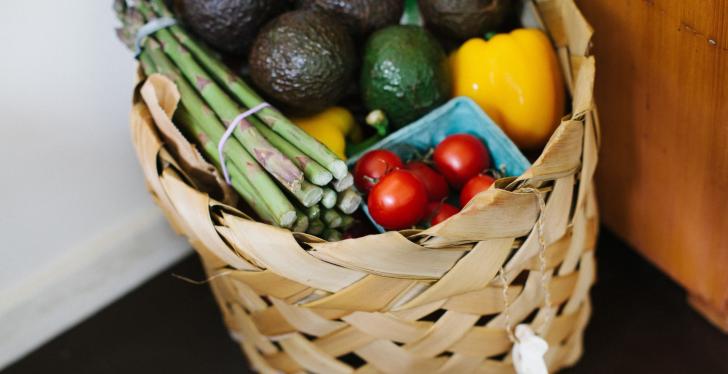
(662, 91)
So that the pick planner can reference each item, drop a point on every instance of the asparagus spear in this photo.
(332, 235)
(308, 194)
(349, 201)
(313, 212)
(331, 218)
(347, 222)
(315, 227)
(329, 198)
(240, 183)
(270, 116)
(343, 183)
(311, 169)
(302, 222)
(283, 213)
(268, 156)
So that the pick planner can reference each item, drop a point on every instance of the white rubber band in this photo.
(229, 132)
(150, 28)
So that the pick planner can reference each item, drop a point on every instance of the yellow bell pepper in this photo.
(331, 127)
(516, 79)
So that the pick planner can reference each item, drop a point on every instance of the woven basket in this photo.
(441, 300)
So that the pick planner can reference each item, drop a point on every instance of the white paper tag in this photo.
(528, 352)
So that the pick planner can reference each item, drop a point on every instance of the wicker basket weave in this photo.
(409, 301)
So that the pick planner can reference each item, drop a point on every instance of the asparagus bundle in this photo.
(265, 147)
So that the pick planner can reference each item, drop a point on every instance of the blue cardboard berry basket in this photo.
(458, 116)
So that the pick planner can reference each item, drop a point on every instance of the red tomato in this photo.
(373, 166)
(434, 182)
(461, 157)
(477, 184)
(398, 201)
(438, 212)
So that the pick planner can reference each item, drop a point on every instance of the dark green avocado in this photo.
(228, 25)
(405, 73)
(463, 19)
(304, 60)
(362, 17)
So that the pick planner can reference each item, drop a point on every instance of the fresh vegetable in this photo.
(331, 127)
(434, 182)
(310, 149)
(460, 157)
(476, 185)
(329, 198)
(228, 25)
(373, 166)
(398, 201)
(378, 120)
(312, 155)
(404, 73)
(439, 211)
(327, 133)
(360, 16)
(348, 201)
(464, 19)
(265, 139)
(516, 79)
(315, 227)
(303, 59)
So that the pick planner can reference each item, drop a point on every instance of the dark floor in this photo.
(641, 324)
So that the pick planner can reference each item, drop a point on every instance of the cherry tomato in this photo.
(373, 166)
(434, 182)
(461, 157)
(398, 201)
(476, 185)
(438, 212)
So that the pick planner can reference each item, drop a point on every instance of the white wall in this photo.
(71, 193)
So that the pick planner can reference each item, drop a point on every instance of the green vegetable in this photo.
(202, 122)
(243, 93)
(329, 198)
(331, 218)
(226, 109)
(405, 73)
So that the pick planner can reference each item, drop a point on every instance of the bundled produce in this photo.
(269, 159)
(407, 195)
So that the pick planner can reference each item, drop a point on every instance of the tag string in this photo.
(230, 129)
(150, 28)
(506, 313)
(540, 226)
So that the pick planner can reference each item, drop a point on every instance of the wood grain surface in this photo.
(662, 88)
